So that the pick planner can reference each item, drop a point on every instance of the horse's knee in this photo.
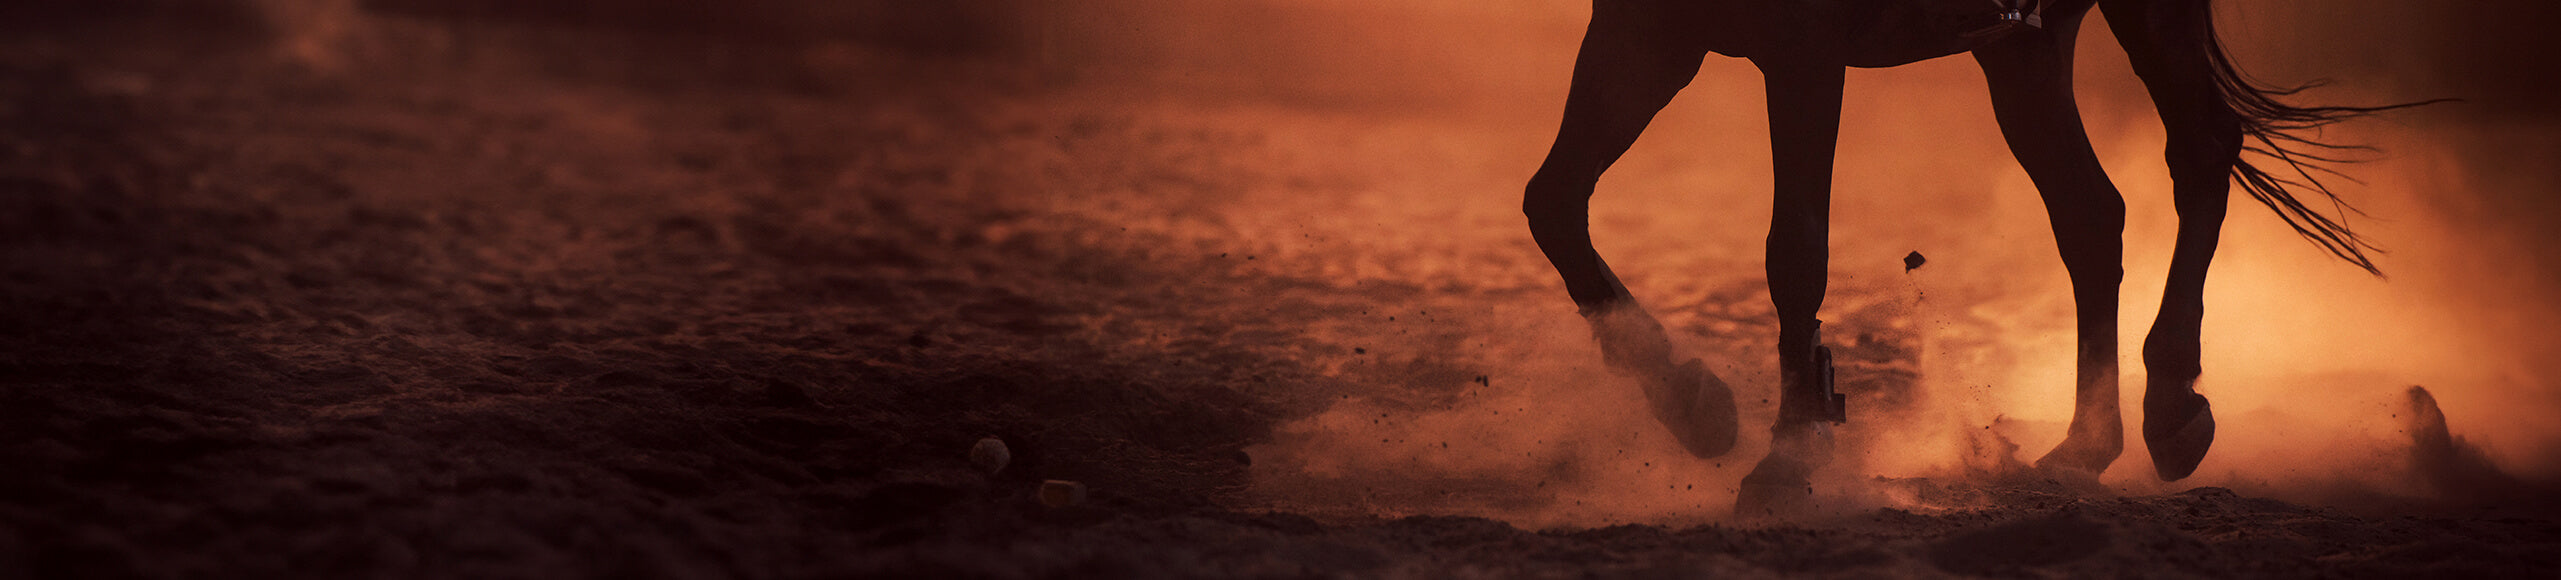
(1553, 202)
(2089, 230)
(2097, 218)
(2096, 269)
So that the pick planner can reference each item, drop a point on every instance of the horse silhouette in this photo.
(1637, 54)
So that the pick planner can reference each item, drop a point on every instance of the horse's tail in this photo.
(2272, 128)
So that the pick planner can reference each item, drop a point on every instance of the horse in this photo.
(1637, 54)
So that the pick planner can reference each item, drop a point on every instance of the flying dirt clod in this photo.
(990, 454)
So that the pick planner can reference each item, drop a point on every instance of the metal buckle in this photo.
(1836, 406)
(2008, 20)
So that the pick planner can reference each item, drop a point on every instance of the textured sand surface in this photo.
(550, 302)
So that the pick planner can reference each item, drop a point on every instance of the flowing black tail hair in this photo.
(2272, 128)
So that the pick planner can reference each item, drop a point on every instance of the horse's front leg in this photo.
(1631, 64)
(1805, 123)
(2170, 45)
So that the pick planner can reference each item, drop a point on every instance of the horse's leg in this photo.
(1805, 122)
(2169, 44)
(2030, 75)
(1629, 67)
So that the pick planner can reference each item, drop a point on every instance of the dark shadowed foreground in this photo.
(495, 301)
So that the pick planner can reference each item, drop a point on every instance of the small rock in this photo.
(1913, 261)
(990, 454)
(1059, 493)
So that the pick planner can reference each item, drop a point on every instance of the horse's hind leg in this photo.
(2030, 76)
(2169, 43)
(1629, 67)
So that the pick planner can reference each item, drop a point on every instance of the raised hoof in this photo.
(1782, 484)
(2178, 440)
(1697, 406)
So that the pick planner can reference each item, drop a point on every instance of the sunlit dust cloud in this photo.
(1395, 139)
(2307, 359)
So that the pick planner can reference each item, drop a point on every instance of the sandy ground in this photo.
(582, 305)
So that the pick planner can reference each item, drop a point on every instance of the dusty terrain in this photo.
(556, 302)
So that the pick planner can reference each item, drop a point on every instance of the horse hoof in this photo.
(1778, 487)
(2083, 455)
(2054, 466)
(1773, 499)
(2178, 441)
(2065, 477)
(1781, 484)
(1698, 407)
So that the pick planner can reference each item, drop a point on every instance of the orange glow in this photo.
(1440, 111)
(1390, 145)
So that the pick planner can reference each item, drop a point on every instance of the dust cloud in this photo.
(2307, 359)
(1469, 387)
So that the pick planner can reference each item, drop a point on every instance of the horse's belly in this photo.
(1861, 33)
